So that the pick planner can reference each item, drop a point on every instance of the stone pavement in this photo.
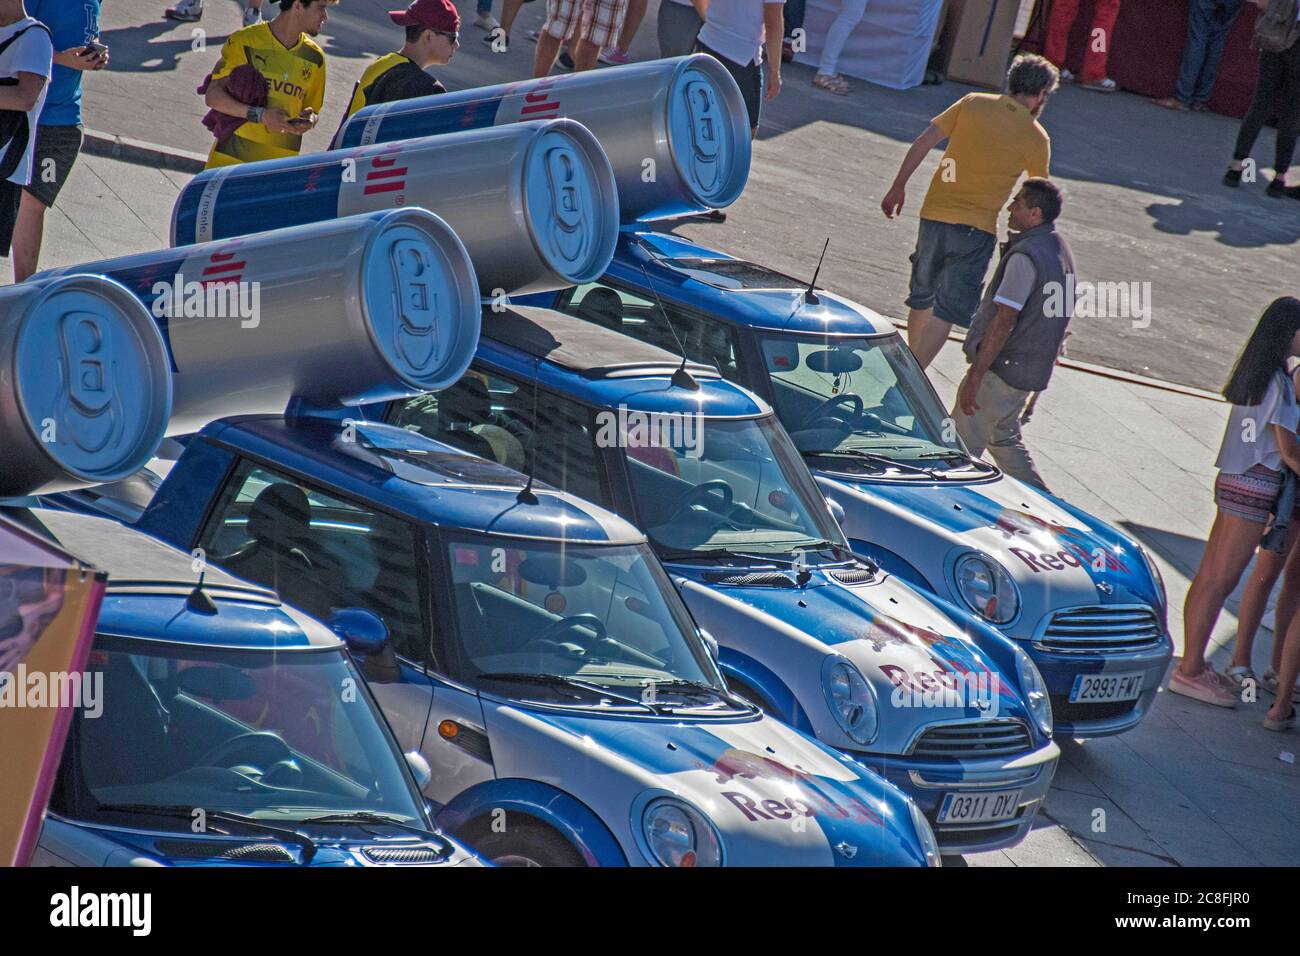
(1192, 785)
(1144, 203)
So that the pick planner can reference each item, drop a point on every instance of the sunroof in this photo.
(735, 274)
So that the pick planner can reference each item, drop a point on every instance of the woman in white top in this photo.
(1260, 437)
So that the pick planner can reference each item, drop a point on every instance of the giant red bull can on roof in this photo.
(535, 204)
(676, 130)
(353, 310)
(85, 393)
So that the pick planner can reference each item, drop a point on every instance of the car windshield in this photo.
(861, 405)
(733, 485)
(581, 625)
(273, 735)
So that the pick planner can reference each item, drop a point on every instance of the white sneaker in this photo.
(252, 15)
(485, 21)
(187, 11)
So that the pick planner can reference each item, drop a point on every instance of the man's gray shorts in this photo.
(948, 269)
(57, 149)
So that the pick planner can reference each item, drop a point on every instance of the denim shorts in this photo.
(948, 269)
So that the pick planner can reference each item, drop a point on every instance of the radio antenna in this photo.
(809, 295)
(526, 496)
(681, 378)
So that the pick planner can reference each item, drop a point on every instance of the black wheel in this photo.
(524, 842)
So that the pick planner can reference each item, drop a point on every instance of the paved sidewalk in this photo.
(1144, 202)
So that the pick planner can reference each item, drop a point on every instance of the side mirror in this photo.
(837, 511)
(419, 768)
(362, 630)
(711, 643)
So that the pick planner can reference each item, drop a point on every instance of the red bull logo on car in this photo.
(1073, 553)
(735, 764)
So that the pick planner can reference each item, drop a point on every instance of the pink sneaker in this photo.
(614, 56)
(1209, 687)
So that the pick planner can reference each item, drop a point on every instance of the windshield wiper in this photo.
(680, 684)
(882, 460)
(307, 844)
(954, 453)
(556, 681)
(371, 816)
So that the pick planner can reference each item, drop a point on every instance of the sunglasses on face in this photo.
(453, 37)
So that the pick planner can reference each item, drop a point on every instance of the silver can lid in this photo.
(422, 298)
(93, 378)
(571, 200)
(708, 131)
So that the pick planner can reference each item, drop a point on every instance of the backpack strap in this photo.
(31, 26)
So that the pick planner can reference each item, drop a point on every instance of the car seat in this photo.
(602, 306)
(279, 524)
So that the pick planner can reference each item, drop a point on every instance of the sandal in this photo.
(1104, 85)
(1280, 726)
(1239, 674)
(832, 83)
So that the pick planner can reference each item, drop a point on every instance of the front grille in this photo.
(1062, 709)
(1093, 629)
(979, 738)
(411, 854)
(243, 853)
(752, 579)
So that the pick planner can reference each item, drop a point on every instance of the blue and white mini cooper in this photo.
(807, 631)
(218, 727)
(1084, 599)
(529, 646)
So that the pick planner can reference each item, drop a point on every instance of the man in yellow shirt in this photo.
(293, 66)
(432, 36)
(992, 140)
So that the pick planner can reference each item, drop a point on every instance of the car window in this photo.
(710, 343)
(501, 420)
(318, 551)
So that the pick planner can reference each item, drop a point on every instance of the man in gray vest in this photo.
(1017, 333)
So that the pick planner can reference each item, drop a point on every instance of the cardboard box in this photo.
(981, 34)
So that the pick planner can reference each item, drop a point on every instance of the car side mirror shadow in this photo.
(363, 631)
(419, 768)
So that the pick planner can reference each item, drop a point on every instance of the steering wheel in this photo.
(565, 624)
(261, 742)
(822, 411)
(700, 492)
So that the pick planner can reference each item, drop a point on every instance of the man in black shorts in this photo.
(74, 29)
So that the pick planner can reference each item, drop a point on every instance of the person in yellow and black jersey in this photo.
(432, 35)
(292, 64)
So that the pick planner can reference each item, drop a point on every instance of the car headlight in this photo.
(679, 835)
(924, 833)
(1035, 691)
(987, 588)
(1154, 570)
(850, 699)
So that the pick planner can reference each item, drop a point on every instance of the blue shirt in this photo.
(73, 23)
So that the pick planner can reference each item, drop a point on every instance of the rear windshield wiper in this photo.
(557, 681)
(307, 844)
(882, 460)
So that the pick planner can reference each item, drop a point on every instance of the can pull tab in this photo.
(88, 411)
(567, 206)
(417, 304)
(702, 110)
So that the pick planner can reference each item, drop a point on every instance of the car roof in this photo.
(604, 368)
(678, 269)
(150, 583)
(424, 480)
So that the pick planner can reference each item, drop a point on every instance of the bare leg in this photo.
(1232, 542)
(548, 48)
(1287, 673)
(926, 334)
(510, 10)
(1288, 605)
(584, 55)
(631, 23)
(28, 232)
(1254, 601)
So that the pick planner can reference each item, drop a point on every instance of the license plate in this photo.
(1099, 688)
(979, 807)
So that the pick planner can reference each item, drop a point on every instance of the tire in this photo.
(525, 842)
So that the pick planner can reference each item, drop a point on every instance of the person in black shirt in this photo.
(432, 35)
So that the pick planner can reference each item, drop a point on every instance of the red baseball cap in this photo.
(434, 14)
